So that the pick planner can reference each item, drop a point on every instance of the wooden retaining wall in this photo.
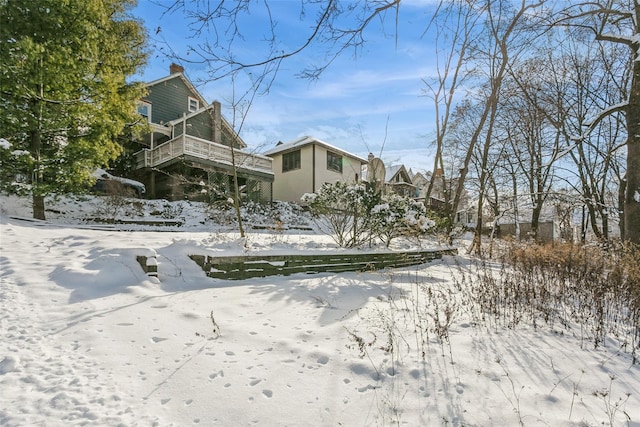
(244, 267)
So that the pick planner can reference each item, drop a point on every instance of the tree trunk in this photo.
(621, 193)
(38, 206)
(632, 195)
(236, 192)
(535, 220)
(37, 177)
(593, 218)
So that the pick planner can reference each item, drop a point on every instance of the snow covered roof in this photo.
(308, 140)
(392, 170)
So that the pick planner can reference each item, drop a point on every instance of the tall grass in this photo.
(593, 291)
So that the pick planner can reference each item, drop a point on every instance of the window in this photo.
(334, 162)
(291, 161)
(144, 109)
(194, 104)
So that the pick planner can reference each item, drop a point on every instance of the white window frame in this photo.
(148, 106)
(193, 101)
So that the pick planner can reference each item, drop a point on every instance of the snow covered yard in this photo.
(86, 338)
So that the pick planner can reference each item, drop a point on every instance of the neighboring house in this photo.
(397, 181)
(190, 144)
(421, 182)
(389, 179)
(548, 231)
(467, 216)
(303, 165)
(558, 221)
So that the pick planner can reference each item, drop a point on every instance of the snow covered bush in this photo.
(342, 211)
(354, 214)
(399, 216)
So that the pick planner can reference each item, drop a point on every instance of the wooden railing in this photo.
(244, 267)
(203, 149)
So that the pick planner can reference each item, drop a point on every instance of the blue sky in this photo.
(349, 106)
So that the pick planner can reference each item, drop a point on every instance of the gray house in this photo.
(191, 144)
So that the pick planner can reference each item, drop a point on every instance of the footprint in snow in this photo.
(215, 375)
(9, 364)
(323, 360)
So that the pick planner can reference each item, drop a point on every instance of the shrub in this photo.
(399, 216)
(341, 211)
(354, 214)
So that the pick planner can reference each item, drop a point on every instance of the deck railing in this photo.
(203, 149)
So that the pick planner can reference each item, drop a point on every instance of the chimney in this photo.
(175, 68)
(217, 122)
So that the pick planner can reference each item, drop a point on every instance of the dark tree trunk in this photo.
(535, 220)
(621, 193)
(632, 194)
(38, 207)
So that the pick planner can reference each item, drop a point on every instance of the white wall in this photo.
(290, 186)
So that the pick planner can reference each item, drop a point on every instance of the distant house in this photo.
(190, 144)
(421, 183)
(398, 181)
(303, 165)
(389, 179)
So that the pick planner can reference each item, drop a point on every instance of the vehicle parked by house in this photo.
(111, 184)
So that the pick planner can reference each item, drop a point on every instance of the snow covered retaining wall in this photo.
(244, 267)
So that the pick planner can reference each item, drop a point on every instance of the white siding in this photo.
(291, 185)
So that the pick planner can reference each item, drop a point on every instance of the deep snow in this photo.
(86, 338)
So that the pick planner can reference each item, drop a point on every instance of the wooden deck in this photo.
(187, 145)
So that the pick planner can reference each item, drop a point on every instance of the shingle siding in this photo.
(169, 100)
(201, 126)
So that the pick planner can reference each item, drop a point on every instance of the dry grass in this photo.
(594, 290)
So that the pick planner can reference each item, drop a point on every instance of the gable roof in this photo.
(309, 140)
(186, 81)
(394, 170)
(203, 101)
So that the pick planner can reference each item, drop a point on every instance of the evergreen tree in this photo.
(64, 95)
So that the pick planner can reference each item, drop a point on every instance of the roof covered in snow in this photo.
(282, 147)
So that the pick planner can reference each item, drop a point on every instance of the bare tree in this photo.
(574, 80)
(534, 142)
(618, 22)
(338, 25)
(506, 35)
(456, 23)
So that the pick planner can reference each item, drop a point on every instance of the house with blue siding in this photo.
(191, 150)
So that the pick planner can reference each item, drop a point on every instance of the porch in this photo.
(187, 146)
(165, 168)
